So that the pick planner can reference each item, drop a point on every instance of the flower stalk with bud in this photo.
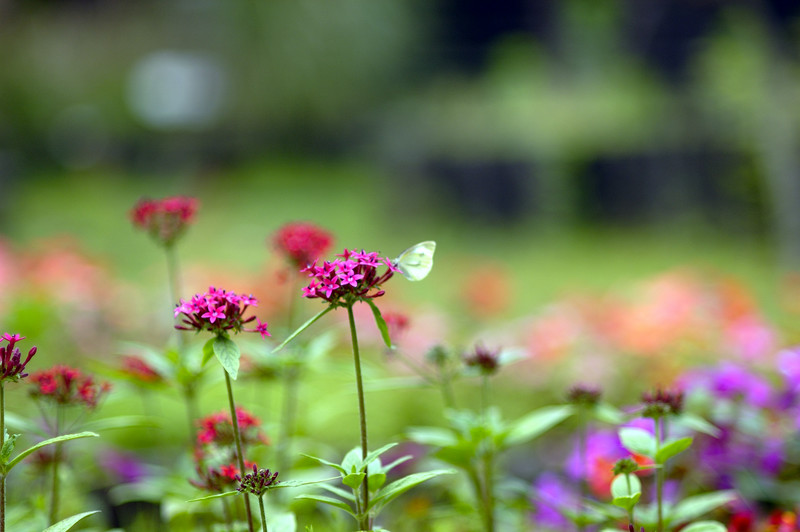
(221, 313)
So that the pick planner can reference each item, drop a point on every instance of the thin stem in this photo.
(56, 485)
(447, 389)
(190, 398)
(291, 383)
(630, 511)
(263, 513)
(362, 412)
(484, 397)
(238, 439)
(659, 479)
(3, 438)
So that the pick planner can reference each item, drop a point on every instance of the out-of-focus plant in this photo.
(13, 369)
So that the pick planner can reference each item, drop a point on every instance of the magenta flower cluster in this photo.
(13, 368)
(218, 311)
(353, 277)
(165, 219)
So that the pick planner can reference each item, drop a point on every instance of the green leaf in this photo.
(215, 496)
(626, 490)
(69, 522)
(208, 351)
(347, 495)
(121, 422)
(699, 424)
(327, 463)
(24, 425)
(228, 354)
(376, 480)
(298, 483)
(638, 441)
(329, 501)
(8, 447)
(619, 486)
(353, 480)
(705, 526)
(381, 323)
(434, 436)
(400, 486)
(45, 443)
(536, 423)
(693, 507)
(375, 454)
(671, 448)
(303, 327)
(608, 414)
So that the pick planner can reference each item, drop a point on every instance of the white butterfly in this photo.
(416, 262)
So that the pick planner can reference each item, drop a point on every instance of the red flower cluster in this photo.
(218, 311)
(139, 369)
(68, 386)
(302, 243)
(342, 282)
(215, 452)
(11, 366)
(486, 360)
(217, 429)
(165, 219)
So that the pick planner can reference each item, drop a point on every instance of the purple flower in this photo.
(731, 381)
(551, 496)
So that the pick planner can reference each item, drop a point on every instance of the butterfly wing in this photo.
(416, 262)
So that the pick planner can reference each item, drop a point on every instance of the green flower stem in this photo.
(659, 479)
(362, 412)
(630, 510)
(56, 485)
(484, 397)
(263, 513)
(237, 436)
(447, 389)
(2, 476)
(190, 398)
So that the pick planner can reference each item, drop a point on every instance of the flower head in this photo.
(352, 277)
(487, 361)
(662, 403)
(302, 243)
(584, 396)
(216, 479)
(11, 365)
(67, 386)
(165, 219)
(218, 311)
(257, 482)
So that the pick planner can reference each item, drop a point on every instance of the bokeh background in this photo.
(602, 178)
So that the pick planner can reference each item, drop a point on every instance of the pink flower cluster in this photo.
(12, 367)
(354, 276)
(165, 219)
(67, 386)
(302, 243)
(218, 311)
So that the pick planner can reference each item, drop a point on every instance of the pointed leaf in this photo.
(609, 414)
(381, 323)
(400, 486)
(328, 500)
(121, 422)
(433, 436)
(375, 454)
(536, 423)
(347, 495)
(215, 496)
(303, 327)
(705, 526)
(45, 443)
(671, 448)
(23, 425)
(228, 354)
(375, 481)
(327, 463)
(638, 441)
(693, 507)
(298, 483)
(69, 522)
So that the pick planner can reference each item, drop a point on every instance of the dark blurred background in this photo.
(560, 114)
